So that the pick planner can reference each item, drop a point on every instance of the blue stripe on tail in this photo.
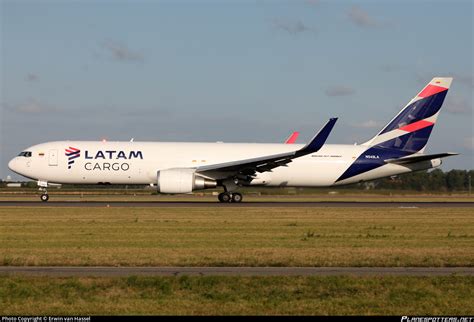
(410, 142)
(419, 110)
(375, 157)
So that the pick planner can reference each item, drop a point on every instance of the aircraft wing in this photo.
(418, 158)
(266, 163)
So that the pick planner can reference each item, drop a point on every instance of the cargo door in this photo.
(53, 157)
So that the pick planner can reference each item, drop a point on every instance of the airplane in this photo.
(183, 167)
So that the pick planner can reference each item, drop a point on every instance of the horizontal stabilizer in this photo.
(419, 158)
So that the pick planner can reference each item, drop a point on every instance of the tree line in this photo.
(435, 180)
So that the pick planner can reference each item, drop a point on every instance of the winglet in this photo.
(319, 139)
(292, 138)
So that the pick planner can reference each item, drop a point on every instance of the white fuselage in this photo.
(139, 162)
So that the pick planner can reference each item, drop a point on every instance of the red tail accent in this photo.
(431, 90)
(416, 126)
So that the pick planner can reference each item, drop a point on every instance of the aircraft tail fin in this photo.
(410, 129)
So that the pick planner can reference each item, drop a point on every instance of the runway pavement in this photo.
(203, 204)
(233, 271)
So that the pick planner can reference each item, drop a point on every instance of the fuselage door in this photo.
(53, 157)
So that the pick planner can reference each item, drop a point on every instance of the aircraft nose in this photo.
(13, 165)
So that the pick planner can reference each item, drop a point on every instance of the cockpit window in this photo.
(25, 154)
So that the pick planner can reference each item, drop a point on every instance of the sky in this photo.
(232, 71)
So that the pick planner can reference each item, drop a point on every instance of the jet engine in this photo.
(182, 181)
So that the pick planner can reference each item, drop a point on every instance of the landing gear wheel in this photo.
(236, 197)
(44, 197)
(224, 197)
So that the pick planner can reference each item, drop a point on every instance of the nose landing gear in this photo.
(43, 187)
(44, 197)
(230, 197)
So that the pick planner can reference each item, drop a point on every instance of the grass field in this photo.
(237, 237)
(340, 295)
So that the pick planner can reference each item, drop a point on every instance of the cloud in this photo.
(31, 78)
(313, 2)
(121, 52)
(361, 18)
(292, 27)
(30, 107)
(369, 124)
(457, 105)
(339, 90)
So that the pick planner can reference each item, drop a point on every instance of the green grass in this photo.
(237, 237)
(337, 295)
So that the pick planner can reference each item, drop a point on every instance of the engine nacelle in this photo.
(182, 181)
(261, 179)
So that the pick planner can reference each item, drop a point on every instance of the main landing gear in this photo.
(230, 197)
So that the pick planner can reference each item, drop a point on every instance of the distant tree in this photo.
(31, 184)
(437, 180)
(434, 180)
(456, 180)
